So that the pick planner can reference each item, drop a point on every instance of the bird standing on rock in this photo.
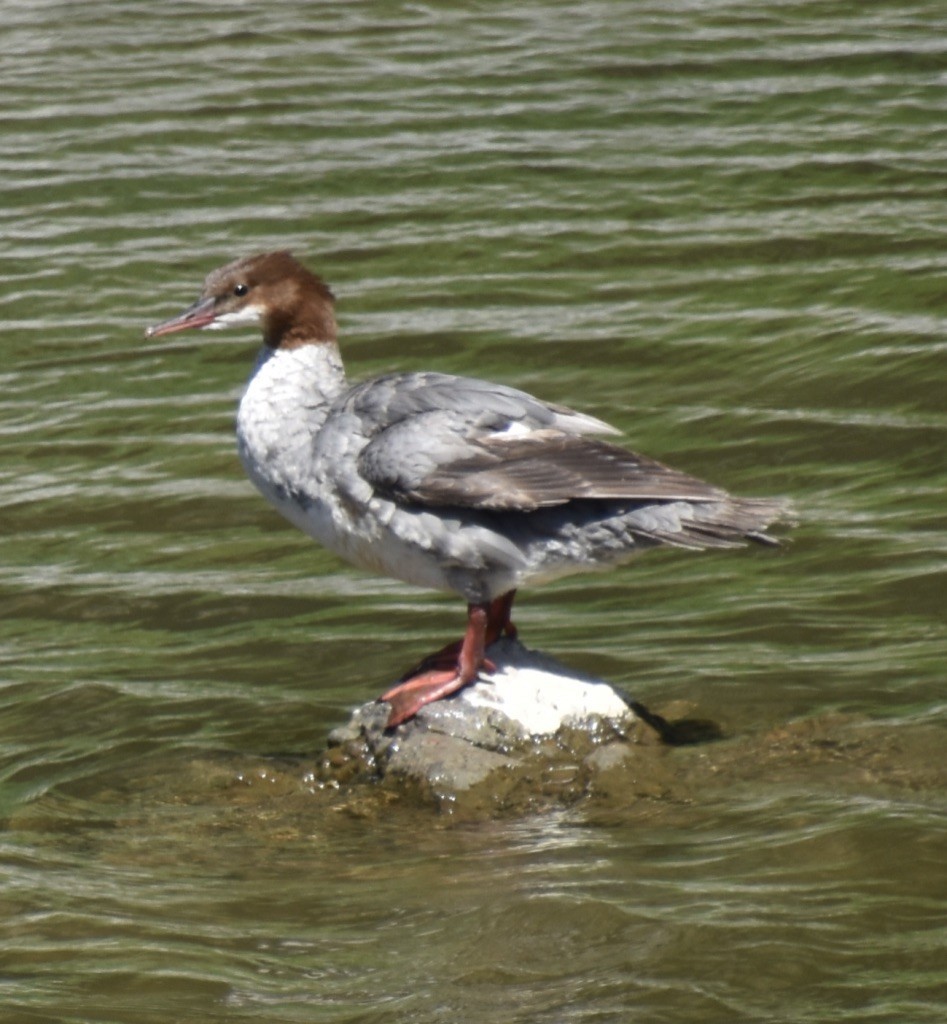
(446, 482)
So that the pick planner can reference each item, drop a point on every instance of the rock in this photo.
(521, 736)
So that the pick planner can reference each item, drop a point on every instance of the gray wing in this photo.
(550, 468)
(453, 441)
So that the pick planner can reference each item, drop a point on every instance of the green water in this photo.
(718, 226)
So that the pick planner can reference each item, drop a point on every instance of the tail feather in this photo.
(728, 523)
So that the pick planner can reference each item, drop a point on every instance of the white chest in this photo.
(279, 418)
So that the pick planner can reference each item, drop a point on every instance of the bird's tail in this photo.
(723, 523)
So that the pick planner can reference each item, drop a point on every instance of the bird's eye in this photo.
(240, 290)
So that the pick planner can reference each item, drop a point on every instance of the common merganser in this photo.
(446, 482)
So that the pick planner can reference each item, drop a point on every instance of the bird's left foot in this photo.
(453, 666)
(407, 698)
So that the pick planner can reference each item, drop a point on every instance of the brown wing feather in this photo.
(549, 468)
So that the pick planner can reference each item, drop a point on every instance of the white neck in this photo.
(286, 402)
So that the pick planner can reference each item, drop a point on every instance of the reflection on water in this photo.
(716, 227)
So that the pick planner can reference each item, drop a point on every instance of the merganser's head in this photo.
(273, 290)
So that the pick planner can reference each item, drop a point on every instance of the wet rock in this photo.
(531, 733)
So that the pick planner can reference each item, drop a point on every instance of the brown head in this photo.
(273, 290)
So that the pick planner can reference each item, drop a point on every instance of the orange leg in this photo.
(455, 665)
(499, 618)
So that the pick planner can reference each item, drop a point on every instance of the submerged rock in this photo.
(532, 732)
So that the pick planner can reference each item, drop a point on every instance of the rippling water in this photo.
(718, 225)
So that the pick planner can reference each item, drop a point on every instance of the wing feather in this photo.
(443, 441)
(550, 468)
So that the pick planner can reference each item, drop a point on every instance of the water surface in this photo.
(717, 226)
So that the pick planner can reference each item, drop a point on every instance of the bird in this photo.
(445, 482)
